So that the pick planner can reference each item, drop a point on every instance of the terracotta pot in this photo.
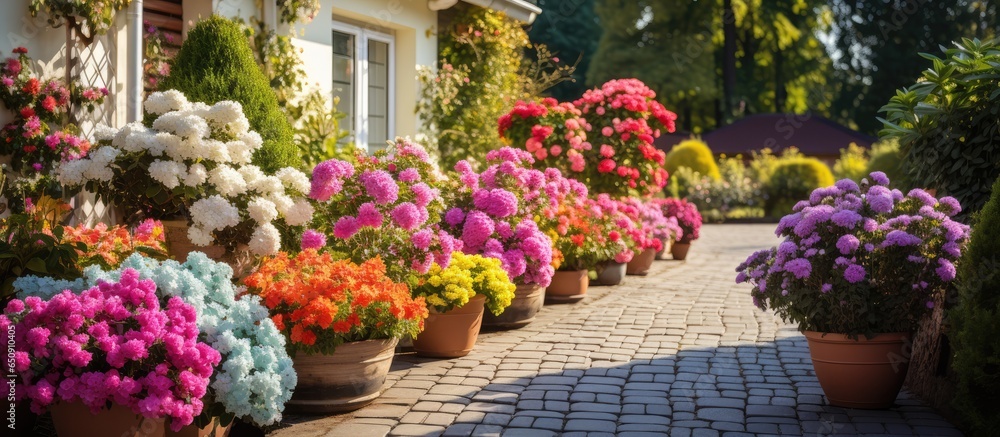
(528, 299)
(567, 287)
(73, 419)
(666, 248)
(179, 245)
(453, 333)
(680, 251)
(611, 273)
(213, 429)
(859, 373)
(641, 262)
(349, 378)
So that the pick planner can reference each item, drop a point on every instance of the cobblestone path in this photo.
(681, 352)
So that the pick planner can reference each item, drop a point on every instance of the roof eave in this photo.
(519, 10)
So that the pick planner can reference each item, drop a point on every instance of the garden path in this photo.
(680, 352)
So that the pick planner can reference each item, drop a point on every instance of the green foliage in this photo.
(279, 60)
(763, 163)
(317, 129)
(886, 158)
(793, 180)
(543, 72)
(879, 40)
(693, 154)
(570, 29)
(946, 123)
(32, 244)
(853, 163)
(736, 194)
(88, 19)
(216, 63)
(976, 331)
(486, 47)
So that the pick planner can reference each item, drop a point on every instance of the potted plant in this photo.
(110, 345)
(689, 220)
(385, 205)
(237, 326)
(492, 215)
(584, 242)
(642, 232)
(191, 168)
(614, 227)
(858, 267)
(457, 296)
(342, 321)
(554, 133)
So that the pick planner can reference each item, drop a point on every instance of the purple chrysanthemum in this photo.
(800, 267)
(847, 244)
(854, 273)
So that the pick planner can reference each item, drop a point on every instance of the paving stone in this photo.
(590, 425)
(417, 430)
(359, 430)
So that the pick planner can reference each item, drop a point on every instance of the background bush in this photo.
(887, 158)
(735, 195)
(793, 179)
(947, 123)
(977, 331)
(693, 154)
(215, 63)
(853, 163)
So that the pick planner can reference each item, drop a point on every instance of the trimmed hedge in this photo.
(975, 320)
(793, 180)
(693, 154)
(215, 63)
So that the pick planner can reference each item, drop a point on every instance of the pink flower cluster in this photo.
(687, 216)
(494, 211)
(384, 205)
(554, 133)
(654, 221)
(111, 343)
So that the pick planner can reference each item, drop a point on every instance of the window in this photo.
(363, 79)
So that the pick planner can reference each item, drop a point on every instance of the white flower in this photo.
(125, 132)
(168, 173)
(199, 236)
(239, 152)
(266, 240)
(71, 173)
(228, 181)
(252, 139)
(282, 202)
(214, 212)
(166, 101)
(216, 150)
(183, 124)
(103, 132)
(294, 179)
(268, 185)
(197, 175)
(251, 174)
(104, 155)
(225, 112)
(300, 213)
(262, 210)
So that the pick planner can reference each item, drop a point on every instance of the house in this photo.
(813, 135)
(366, 52)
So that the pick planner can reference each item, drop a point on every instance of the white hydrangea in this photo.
(168, 173)
(252, 139)
(294, 179)
(125, 132)
(184, 124)
(266, 240)
(262, 210)
(282, 202)
(214, 212)
(251, 174)
(300, 213)
(239, 152)
(197, 175)
(71, 173)
(215, 150)
(228, 115)
(199, 236)
(103, 132)
(162, 102)
(227, 181)
(268, 185)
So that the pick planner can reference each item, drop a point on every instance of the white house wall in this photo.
(46, 46)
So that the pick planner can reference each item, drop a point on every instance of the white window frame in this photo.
(361, 105)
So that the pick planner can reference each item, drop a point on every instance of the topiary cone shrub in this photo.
(794, 179)
(216, 63)
(976, 321)
(693, 154)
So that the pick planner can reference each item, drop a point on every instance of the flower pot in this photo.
(528, 299)
(667, 243)
(453, 333)
(567, 287)
(641, 262)
(859, 373)
(179, 245)
(73, 419)
(680, 251)
(611, 273)
(213, 429)
(349, 378)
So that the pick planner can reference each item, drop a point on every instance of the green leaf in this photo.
(36, 265)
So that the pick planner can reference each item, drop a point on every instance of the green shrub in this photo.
(763, 163)
(215, 63)
(853, 163)
(976, 331)
(886, 158)
(946, 123)
(793, 180)
(693, 154)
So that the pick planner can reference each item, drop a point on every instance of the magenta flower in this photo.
(312, 239)
(369, 215)
(328, 179)
(380, 185)
(407, 216)
(345, 227)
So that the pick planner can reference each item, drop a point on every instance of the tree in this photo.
(570, 29)
(876, 42)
